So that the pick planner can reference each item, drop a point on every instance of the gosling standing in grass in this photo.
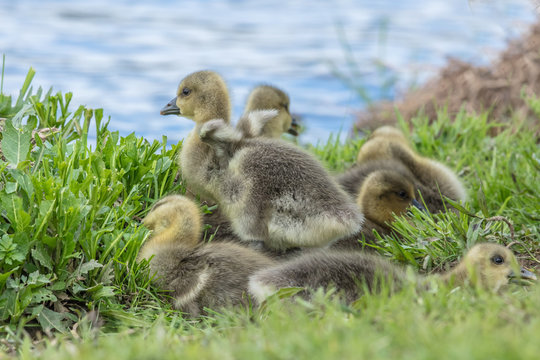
(271, 191)
(490, 266)
(199, 275)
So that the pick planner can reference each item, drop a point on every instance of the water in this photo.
(128, 56)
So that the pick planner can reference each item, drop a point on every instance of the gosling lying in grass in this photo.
(392, 142)
(383, 194)
(387, 148)
(487, 265)
(199, 275)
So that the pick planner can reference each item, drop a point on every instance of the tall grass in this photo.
(69, 229)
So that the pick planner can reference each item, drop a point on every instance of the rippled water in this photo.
(128, 56)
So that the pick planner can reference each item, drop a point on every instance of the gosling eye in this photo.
(186, 91)
(497, 260)
(402, 194)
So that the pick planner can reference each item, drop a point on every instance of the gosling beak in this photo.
(293, 130)
(170, 108)
(524, 274)
(419, 206)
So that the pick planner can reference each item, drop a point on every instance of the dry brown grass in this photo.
(497, 88)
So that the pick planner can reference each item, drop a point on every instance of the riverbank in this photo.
(71, 230)
(501, 89)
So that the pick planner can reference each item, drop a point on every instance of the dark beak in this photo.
(419, 206)
(170, 108)
(293, 130)
(524, 274)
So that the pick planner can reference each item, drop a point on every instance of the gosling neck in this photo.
(217, 107)
(456, 276)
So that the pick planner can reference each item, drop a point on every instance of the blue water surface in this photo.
(128, 56)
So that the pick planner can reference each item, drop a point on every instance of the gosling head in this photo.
(384, 193)
(266, 97)
(387, 132)
(175, 218)
(377, 145)
(491, 266)
(201, 96)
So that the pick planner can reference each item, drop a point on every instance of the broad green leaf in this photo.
(77, 288)
(41, 295)
(13, 206)
(49, 320)
(11, 187)
(103, 292)
(15, 144)
(8, 300)
(5, 276)
(35, 278)
(41, 254)
(88, 266)
(23, 180)
(23, 112)
(11, 251)
(45, 211)
(57, 286)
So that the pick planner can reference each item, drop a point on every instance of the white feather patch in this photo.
(259, 290)
(189, 296)
(258, 119)
(219, 131)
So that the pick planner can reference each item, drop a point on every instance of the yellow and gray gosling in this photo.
(263, 97)
(489, 266)
(388, 149)
(267, 97)
(275, 192)
(198, 275)
(383, 194)
(390, 143)
(201, 97)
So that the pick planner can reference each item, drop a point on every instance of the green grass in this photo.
(70, 232)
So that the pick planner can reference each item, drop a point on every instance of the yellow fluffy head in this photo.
(384, 193)
(175, 218)
(266, 97)
(492, 266)
(378, 144)
(201, 96)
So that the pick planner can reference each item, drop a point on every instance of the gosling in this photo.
(274, 192)
(383, 195)
(271, 191)
(263, 97)
(201, 97)
(389, 143)
(429, 194)
(486, 265)
(266, 97)
(199, 275)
